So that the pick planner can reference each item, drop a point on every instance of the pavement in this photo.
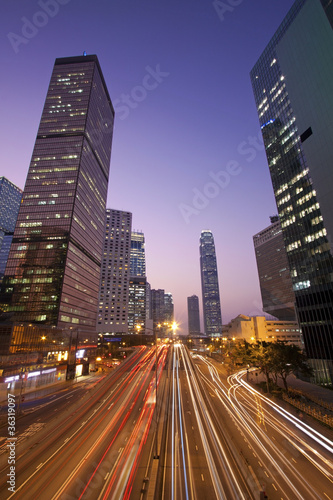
(293, 382)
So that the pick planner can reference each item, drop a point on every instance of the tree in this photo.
(288, 358)
(274, 358)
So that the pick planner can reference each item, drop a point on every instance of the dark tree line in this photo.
(274, 359)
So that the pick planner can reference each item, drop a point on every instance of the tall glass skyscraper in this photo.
(53, 270)
(138, 257)
(137, 306)
(278, 298)
(210, 285)
(193, 315)
(293, 88)
(10, 200)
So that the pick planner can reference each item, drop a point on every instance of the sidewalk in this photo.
(312, 390)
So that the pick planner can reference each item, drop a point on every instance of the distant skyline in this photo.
(187, 152)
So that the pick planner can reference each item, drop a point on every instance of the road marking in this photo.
(106, 476)
(327, 496)
(260, 463)
(255, 477)
(274, 486)
(294, 460)
(202, 477)
(39, 466)
(196, 447)
(266, 473)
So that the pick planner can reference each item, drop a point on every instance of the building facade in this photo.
(53, 270)
(114, 282)
(137, 312)
(137, 318)
(193, 315)
(168, 308)
(10, 201)
(276, 288)
(138, 256)
(210, 285)
(293, 92)
(157, 307)
(260, 329)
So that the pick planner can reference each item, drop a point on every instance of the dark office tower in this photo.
(276, 288)
(293, 88)
(10, 200)
(157, 306)
(193, 315)
(210, 285)
(148, 302)
(53, 271)
(168, 308)
(138, 258)
(114, 282)
(137, 305)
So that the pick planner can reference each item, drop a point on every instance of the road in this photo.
(91, 452)
(183, 431)
(284, 457)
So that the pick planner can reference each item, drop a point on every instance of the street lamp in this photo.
(174, 327)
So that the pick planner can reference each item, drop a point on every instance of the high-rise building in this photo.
(157, 307)
(276, 288)
(137, 309)
(53, 270)
(193, 315)
(210, 285)
(137, 304)
(168, 308)
(114, 282)
(293, 87)
(138, 258)
(10, 200)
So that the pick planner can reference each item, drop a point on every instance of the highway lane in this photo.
(283, 458)
(197, 463)
(81, 436)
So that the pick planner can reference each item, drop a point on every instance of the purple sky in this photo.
(196, 120)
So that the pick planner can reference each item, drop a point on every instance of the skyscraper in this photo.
(138, 258)
(157, 306)
(137, 304)
(276, 288)
(168, 308)
(114, 282)
(53, 271)
(193, 315)
(10, 200)
(210, 285)
(293, 88)
(137, 307)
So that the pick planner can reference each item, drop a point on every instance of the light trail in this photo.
(226, 466)
(243, 420)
